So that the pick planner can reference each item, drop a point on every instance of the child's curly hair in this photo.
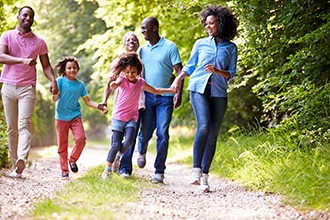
(125, 60)
(227, 22)
(61, 64)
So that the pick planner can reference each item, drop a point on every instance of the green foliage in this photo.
(286, 49)
(3, 138)
(43, 121)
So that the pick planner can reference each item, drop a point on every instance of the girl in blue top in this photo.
(68, 114)
(211, 65)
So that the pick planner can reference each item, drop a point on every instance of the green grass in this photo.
(262, 161)
(275, 164)
(90, 197)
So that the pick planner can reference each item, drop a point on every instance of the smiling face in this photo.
(146, 29)
(131, 43)
(25, 19)
(71, 70)
(130, 73)
(211, 26)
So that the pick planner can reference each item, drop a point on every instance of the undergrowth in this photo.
(275, 163)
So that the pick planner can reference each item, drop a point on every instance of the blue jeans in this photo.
(209, 112)
(121, 129)
(158, 115)
(126, 165)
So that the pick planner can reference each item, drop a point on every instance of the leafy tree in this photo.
(286, 51)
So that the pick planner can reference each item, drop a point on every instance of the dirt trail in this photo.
(176, 199)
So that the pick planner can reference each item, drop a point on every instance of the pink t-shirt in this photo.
(21, 45)
(126, 107)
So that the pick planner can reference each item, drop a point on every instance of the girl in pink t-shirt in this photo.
(125, 113)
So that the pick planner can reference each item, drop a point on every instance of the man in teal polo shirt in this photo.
(159, 57)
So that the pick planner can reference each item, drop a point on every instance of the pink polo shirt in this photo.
(21, 45)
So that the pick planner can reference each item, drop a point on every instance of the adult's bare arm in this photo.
(48, 72)
(178, 96)
(5, 58)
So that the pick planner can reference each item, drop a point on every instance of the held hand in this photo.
(172, 90)
(53, 88)
(102, 107)
(105, 110)
(175, 86)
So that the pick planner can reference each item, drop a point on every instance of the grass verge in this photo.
(90, 197)
(274, 164)
(262, 161)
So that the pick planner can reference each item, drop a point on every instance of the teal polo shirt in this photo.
(158, 61)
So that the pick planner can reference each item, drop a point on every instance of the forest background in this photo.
(282, 83)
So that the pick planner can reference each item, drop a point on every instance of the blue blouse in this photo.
(222, 55)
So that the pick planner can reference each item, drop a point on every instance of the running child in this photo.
(125, 113)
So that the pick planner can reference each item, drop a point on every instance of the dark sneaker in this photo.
(158, 178)
(73, 166)
(141, 160)
(65, 175)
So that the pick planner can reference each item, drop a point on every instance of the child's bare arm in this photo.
(157, 91)
(55, 97)
(93, 104)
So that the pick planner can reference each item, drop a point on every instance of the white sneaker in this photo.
(124, 175)
(204, 184)
(13, 174)
(106, 174)
(196, 176)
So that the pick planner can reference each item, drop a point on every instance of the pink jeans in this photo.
(78, 133)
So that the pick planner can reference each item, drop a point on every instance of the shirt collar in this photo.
(28, 34)
(158, 44)
(220, 42)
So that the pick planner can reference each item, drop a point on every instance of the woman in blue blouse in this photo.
(211, 65)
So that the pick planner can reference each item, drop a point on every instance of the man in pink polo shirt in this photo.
(19, 50)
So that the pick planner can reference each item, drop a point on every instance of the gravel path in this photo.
(176, 199)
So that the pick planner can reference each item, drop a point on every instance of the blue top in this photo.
(158, 61)
(223, 56)
(67, 105)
